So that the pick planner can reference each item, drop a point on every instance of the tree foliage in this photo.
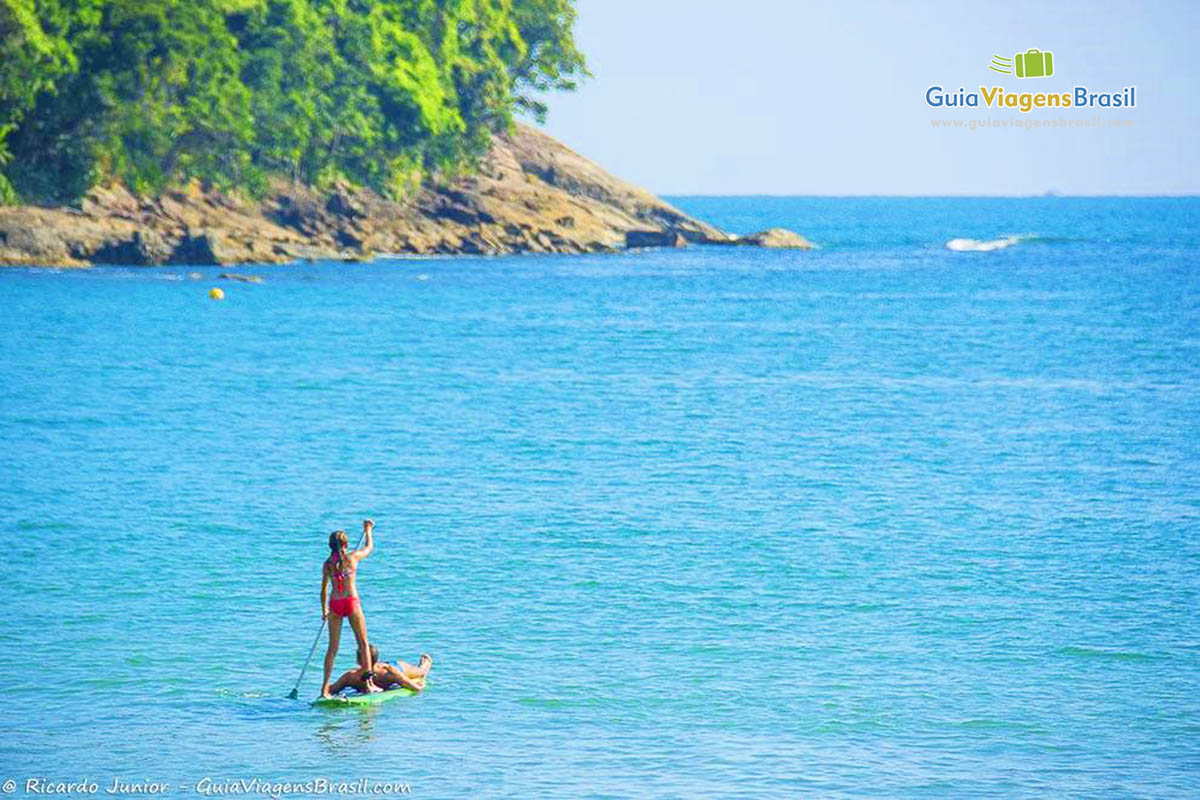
(230, 92)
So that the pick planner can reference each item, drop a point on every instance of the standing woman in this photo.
(340, 569)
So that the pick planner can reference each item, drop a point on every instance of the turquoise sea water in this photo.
(879, 520)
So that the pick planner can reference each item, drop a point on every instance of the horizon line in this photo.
(1044, 195)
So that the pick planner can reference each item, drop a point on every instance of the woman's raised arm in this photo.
(369, 539)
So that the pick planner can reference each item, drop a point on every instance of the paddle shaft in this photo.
(320, 630)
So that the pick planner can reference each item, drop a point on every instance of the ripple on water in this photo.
(1108, 655)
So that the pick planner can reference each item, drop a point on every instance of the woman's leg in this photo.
(358, 623)
(335, 638)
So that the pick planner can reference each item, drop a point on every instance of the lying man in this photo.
(386, 675)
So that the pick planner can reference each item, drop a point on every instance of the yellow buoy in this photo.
(216, 294)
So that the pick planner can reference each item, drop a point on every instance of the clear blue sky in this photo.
(784, 97)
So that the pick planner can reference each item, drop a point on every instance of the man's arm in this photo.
(352, 678)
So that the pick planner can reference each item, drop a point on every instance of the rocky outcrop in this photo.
(777, 238)
(780, 238)
(28, 239)
(655, 239)
(530, 194)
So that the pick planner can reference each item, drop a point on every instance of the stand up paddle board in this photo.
(343, 700)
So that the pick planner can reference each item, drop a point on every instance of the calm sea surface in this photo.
(881, 519)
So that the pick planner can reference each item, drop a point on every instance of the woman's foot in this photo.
(371, 687)
(325, 695)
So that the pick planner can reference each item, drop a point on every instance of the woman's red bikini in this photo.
(340, 570)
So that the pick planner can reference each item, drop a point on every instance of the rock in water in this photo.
(654, 239)
(780, 238)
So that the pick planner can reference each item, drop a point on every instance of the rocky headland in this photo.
(531, 194)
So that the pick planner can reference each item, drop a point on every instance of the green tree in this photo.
(155, 97)
(34, 58)
(231, 92)
(551, 61)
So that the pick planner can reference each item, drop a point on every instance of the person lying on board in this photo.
(386, 675)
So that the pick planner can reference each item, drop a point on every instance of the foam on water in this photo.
(984, 246)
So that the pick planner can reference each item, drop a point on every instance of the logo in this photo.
(1033, 63)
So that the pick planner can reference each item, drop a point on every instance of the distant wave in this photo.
(986, 245)
(1114, 655)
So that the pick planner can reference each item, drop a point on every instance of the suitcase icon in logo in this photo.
(1033, 63)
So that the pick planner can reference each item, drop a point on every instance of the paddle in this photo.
(293, 694)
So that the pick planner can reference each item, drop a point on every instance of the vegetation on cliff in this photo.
(378, 93)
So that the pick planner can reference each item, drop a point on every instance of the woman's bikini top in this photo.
(340, 576)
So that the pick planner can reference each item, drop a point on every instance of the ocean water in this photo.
(884, 519)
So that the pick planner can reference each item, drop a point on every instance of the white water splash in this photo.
(983, 246)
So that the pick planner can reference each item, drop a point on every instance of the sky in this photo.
(828, 98)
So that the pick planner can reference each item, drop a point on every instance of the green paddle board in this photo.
(341, 701)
